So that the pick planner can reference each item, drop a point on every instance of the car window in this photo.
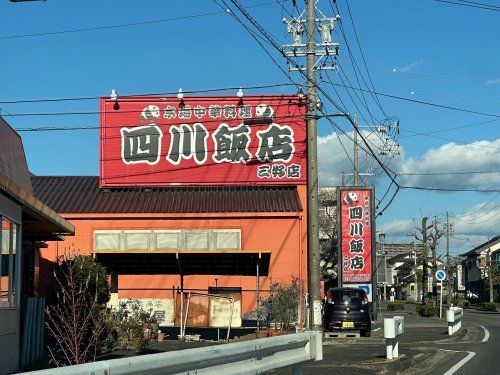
(349, 297)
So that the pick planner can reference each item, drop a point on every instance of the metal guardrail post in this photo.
(454, 318)
(393, 327)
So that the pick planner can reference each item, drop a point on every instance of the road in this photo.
(481, 354)
(425, 347)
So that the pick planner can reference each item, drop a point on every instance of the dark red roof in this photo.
(82, 194)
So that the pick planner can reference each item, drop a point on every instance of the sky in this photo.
(421, 50)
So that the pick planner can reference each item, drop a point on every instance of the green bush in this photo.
(395, 306)
(125, 328)
(461, 303)
(280, 307)
(488, 306)
(427, 310)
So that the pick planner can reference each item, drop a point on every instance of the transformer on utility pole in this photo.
(314, 52)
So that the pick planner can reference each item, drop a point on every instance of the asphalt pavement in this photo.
(425, 348)
(480, 354)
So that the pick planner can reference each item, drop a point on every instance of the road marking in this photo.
(486, 334)
(377, 329)
(460, 363)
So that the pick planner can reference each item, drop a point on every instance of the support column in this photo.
(114, 300)
(258, 290)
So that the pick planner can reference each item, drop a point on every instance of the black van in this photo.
(347, 309)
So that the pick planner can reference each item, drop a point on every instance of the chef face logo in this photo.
(351, 198)
(150, 112)
(264, 111)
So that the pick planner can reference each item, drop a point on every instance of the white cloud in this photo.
(494, 81)
(409, 67)
(398, 229)
(333, 159)
(470, 228)
(443, 167)
(479, 222)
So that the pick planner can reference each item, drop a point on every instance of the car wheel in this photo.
(366, 333)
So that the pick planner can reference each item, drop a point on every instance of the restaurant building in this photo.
(204, 195)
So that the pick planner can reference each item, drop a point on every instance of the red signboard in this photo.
(356, 233)
(159, 141)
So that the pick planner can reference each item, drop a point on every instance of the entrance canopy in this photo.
(214, 262)
(40, 222)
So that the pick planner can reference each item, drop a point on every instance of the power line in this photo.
(385, 169)
(200, 91)
(363, 57)
(471, 4)
(162, 123)
(445, 139)
(447, 129)
(484, 205)
(351, 55)
(132, 24)
(449, 189)
(430, 103)
(273, 43)
(186, 100)
(445, 173)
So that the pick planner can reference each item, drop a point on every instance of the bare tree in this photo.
(327, 198)
(429, 236)
(76, 322)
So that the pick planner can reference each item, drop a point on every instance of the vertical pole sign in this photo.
(356, 238)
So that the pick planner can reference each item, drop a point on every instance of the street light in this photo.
(381, 238)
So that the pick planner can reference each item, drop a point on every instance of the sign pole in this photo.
(440, 276)
(441, 301)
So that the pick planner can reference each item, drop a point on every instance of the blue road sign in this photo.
(440, 275)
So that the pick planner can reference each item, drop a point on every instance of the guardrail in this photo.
(241, 358)
(393, 327)
(454, 318)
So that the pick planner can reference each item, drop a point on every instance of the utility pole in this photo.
(314, 52)
(355, 146)
(387, 131)
(415, 270)
(312, 175)
(448, 263)
(425, 266)
(490, 274)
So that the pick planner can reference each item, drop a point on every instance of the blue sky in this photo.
(418, 49)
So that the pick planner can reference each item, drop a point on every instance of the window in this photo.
(8, 263)
(167, 239)
(196, 240)
(106, 240)
(136, 240)
(227, 239)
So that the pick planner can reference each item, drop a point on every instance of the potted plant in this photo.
(161, 336)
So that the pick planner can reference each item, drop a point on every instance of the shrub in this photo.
(125, 327)
(461, 303)
(427, 310)
(396, 306)
(488, 306)
(281, 307)
(76, 317)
